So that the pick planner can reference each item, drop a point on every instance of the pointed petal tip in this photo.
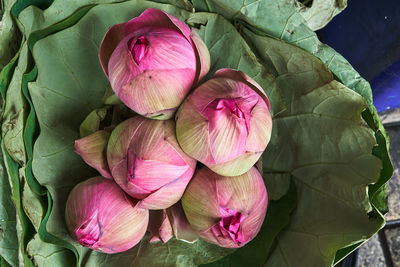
(157, 17)
(92, 150)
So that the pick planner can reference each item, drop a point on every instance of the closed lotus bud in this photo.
(152, 62)
(146, 161)
(100, 216)
(225, 123)
(226, 211)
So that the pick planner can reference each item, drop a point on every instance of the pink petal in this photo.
(122, 68)
(233, 191)
(236, 166)
(200, 201)
(167, 195)
(119, 173)
(92, 149)
(131, 224)
(152, 91)
(180, 225)
(159, 226)
(247, 102)
(89, 232)
(242, 77)
(157, 18)
(118, 145)
(229, 226)
(202, 55)
(110, 41)
(192, 132)
(165, 231)
(139, 48)
(228, 134)
(151, 174)
(218, 88)
(167, 49)
(253, 222)
(156, 140)
(261, 127)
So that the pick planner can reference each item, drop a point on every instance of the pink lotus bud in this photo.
(225, 123)
(101, 217)
(226, 211)
(147, 162)
(152, 61)
(92, 149)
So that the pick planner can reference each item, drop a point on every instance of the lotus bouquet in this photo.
(148, 133)
(153, 62)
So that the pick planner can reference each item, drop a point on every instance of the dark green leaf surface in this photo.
(15, 111)
(178, 253)
(333, 162)
(279, 19)
(8, 221)
(48, 255)
(9, 35)
(24, 227)
(68, 103)
(329, 151)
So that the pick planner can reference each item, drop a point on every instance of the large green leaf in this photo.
(320, 12)
(278, 18)
(15, 111)
(177, 253)
(24, 227)
(9, 35)
(331, 194)
(46, 254)
(33, 18)
(8, 234)
(71, 56)
(14, 115)
(322, 140)
(174, 253)
(34, 205)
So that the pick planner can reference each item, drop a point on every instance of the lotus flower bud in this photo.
(225, 123)
(101, 217)
(226, 211)
(152, 61)
(147, 162)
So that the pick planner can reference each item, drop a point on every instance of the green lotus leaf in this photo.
(325, 168)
